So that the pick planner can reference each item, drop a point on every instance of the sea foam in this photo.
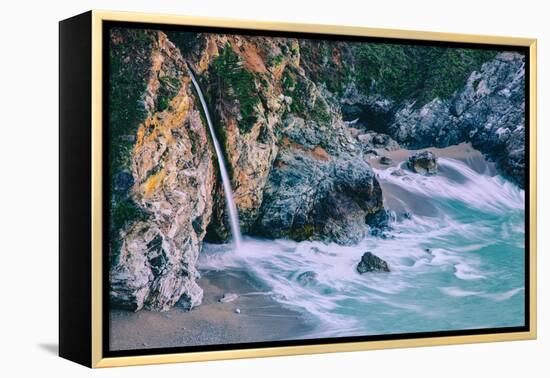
(443, 268)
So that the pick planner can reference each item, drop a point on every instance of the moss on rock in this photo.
(236, 84)
(127, 82)
(419, 73)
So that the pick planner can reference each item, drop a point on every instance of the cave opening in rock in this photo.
(366, 117)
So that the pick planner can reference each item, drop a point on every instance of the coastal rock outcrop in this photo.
(172, 178)
(311, 199)
(372, 263)
(296, 170)
(489, 112)
(430, 125)
(423, 162)
(461, 95)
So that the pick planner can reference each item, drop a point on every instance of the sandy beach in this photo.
(463, 152)
(261, 318)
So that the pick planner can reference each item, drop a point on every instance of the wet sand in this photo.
(261, 318)
(463, 152)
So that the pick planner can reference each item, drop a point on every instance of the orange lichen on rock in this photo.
(153, 182)
(251, 58)
(210, 52)
(320, 154)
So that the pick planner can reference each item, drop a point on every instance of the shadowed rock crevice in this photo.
(367, 117)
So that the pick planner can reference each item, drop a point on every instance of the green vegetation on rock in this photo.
(296, 90)
(127, 83)
(125, 213)
(295, 87)
(319, 59)
(417, 73)
(169, 87)
(236, 84)
(278, 59)
(396, 71)
(321, 111)
(451, 68)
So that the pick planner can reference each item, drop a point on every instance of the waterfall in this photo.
(231, 208)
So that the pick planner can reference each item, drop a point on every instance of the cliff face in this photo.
(297, 169)
(173, 178)
(489, 112)
(426, 96)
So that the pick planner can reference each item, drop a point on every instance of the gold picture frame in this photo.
(92, 333)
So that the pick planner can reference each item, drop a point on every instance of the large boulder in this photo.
(372, 263)
(424, 162)
(307, 198)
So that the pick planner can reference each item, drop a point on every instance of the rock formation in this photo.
(423, 162)
(296, 170)
(372, 263)
(172, 181)
(489, 112)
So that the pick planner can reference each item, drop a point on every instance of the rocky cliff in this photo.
(297, 120)
(489, 112)
(171, 172)
(296, 170)
(427, 96)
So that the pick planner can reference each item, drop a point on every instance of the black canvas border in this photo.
(75, 197)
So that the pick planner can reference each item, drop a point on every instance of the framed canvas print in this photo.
(236, 189)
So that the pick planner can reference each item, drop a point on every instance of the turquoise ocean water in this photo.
(457, 260)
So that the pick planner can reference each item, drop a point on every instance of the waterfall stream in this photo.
(231, 208)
